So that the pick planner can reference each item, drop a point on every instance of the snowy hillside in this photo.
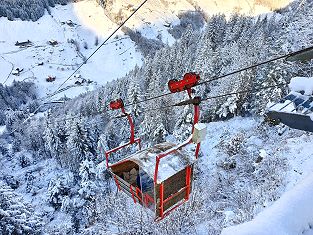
(78, 28)
(40, 59)
(291, 214)
(53, 177)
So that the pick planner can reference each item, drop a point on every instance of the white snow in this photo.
(302, 84)
(229, 215)
(2, 129)
(263, 153)
(290, 215)
(286, 106)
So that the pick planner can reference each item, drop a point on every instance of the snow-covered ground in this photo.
(2, 129)
(291, 214)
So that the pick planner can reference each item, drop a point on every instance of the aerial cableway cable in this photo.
(182, 103)
(215, 97)
(289, 55)
(306, 52)
(105, 41)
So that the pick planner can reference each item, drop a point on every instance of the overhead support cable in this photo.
(191, 101)
(197, 100)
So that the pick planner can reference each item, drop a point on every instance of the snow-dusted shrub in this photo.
(25, 158)
(234, 145)
(11, 181)
(67, 204)
(14, 120)
(228, 108)
(3, 147)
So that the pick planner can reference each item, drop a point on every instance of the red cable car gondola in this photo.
(159, 178)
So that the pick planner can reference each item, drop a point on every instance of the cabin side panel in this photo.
(174, 187)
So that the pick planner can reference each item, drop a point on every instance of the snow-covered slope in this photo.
(112, 61)
(90, 21)
(290, 215)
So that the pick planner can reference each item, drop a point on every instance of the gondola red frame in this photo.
(164, 202)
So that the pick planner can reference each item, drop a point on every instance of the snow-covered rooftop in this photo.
(299, 100)
(302, 84)
(169, 165)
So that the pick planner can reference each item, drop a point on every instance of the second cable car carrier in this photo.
(296, 109)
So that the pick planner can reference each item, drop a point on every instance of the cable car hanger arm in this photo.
(176, 86)
(115, 105)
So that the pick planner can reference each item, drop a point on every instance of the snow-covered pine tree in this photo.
(49, 139)
(88, 187)
(152, 127)
(183, 124)
(16, 216)
(78, 144)
(134, 93)
(59, 188)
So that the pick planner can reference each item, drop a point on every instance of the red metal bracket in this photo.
(161, 200)
(117, 183)
(188, 177)
(132, 192)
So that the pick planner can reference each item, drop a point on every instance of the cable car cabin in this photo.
(160, 177)
(135, 176)
(294, 110)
